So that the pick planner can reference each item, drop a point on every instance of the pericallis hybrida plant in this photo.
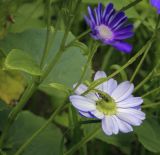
(113, 103)
(117, 107)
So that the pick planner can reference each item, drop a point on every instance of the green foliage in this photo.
(149, 135)
(48, 142)
(18, 60)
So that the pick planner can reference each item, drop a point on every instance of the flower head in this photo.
(156, 4)
(114, 104)
(110, 27)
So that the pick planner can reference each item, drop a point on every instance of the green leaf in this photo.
(47, 143)
(122, 141)
(68, 69)
(60, 87)
(18, 60)
(149, 135)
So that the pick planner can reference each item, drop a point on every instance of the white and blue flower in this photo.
(114, 104)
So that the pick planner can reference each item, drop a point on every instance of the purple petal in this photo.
(98, 12)
(125, 29)
(117, 19)
(107, 11)
(82, 103)
(122, 46)
(123, 91)
(123, 36)
(91, 14)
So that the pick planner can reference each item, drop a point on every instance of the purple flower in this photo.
(114, 104)
(156, 4)
(110, 27)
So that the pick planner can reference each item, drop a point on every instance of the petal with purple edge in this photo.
(98, 13)
(82, 103)
(122, 46)
(123, 126)
(86, 114)
(123, 91)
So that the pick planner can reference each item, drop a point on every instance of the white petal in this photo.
(97, 114)
(116, 128)
(85, 114)
(135, 112)
(123, 126)
(92, 96)
(82, 103)
(123, 91)
(130, 102)
(107, 125)
(109, 86)
(129, 118)
(99, 75)
(80, 89)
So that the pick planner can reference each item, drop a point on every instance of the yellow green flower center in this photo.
(106, 107)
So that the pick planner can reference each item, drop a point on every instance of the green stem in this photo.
(131, 5)
(134, 58)
(46, 48)
(13, 114)
(153, 105)
(77, 38)
(140, 64)
(144, 81)
(83, 141)
(23, 147)
(91, 54)
(151, 92)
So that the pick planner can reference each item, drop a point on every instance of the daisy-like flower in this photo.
(113, 104)
(110, 27)
(156, 4)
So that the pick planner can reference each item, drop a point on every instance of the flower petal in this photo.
(99, 75)
(136, 113)
(129, 118)
(82, 103)
(123, 91)
(97, 114)
(130, 102)
(123, 126)
(109, 86)
(80, 89)
(86, 114)
(122, 46)
(108, 125)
